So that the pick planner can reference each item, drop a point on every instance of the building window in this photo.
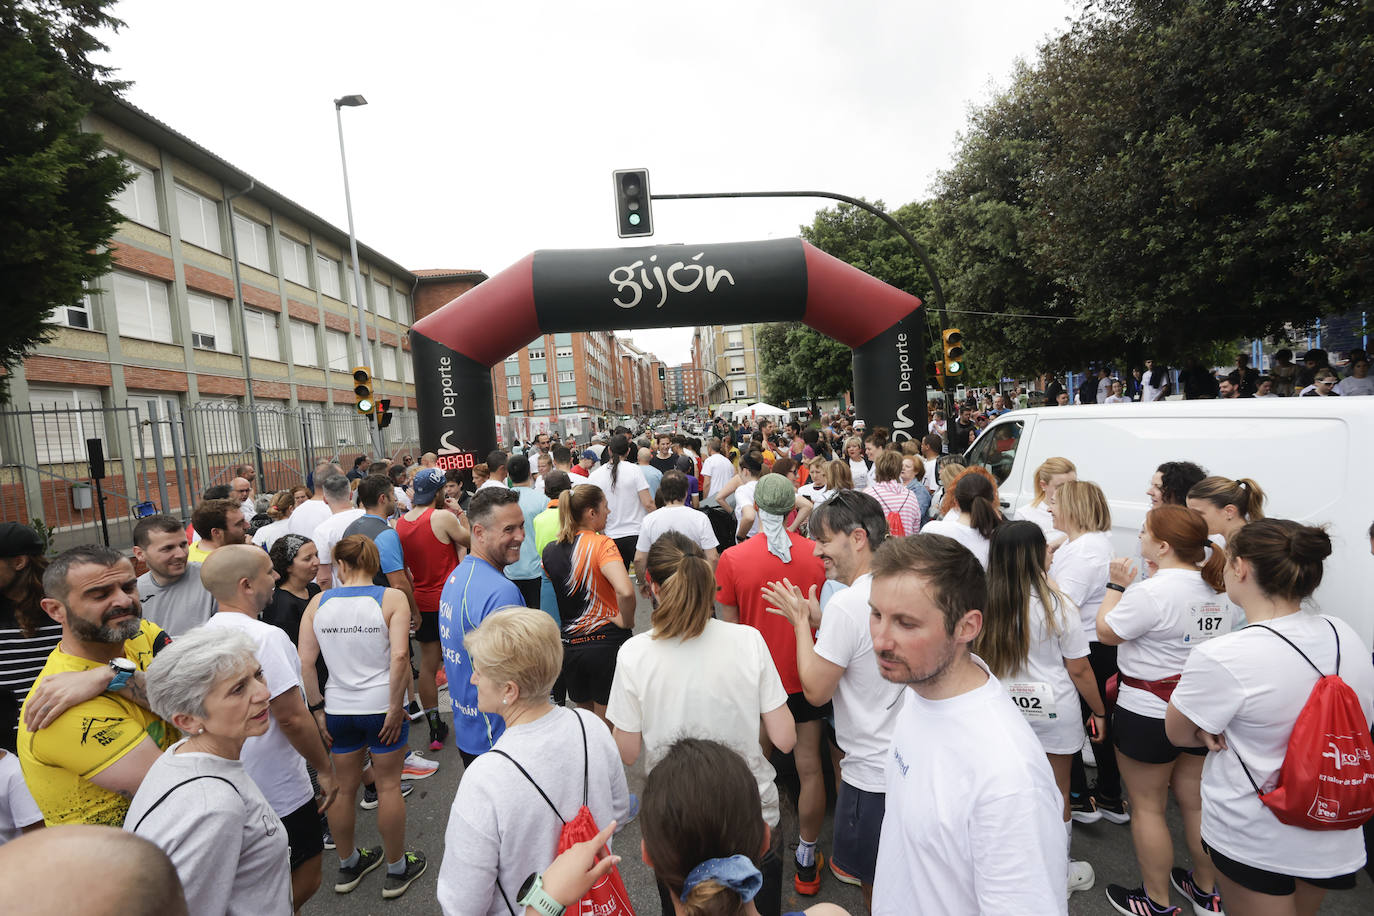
(381, 299)
(295, 260)
(513, 358)
(77, 315)
(262, 339)
(736, 365)
(210, 328)
(540, 404)
(563, 351)
(515, 405)
(400, 303)
(142, 307)
(138, 200)
(336, 349)
(67, 418)
(303, 347)
(328, 270)
(539, 378)
(567, 376)
(734, 340)
(252, 242)
(537, 354)
(741, 391)
(408, 367)
(198, 217)
(568, 401)
(389, 364)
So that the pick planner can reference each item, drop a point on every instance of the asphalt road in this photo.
(1107, 846)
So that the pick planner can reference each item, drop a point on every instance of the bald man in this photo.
(241, 491)
(241, 578)
(135, 877)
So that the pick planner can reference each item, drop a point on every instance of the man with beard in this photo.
(974, 822)
(83, 764)
(170, 590)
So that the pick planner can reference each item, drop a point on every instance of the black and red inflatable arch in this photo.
(557, 291)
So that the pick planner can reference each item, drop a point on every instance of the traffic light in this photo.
(362, 390)
(936, 373)
(954, 353)
(632, 212)
(662, 374)
(383, 413)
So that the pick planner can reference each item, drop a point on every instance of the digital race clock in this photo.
(456, 461)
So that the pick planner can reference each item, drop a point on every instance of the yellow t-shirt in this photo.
(196, 554)
(60, 760)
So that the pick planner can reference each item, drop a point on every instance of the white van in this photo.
(1314, 458)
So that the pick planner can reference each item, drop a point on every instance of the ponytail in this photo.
(572, 506)
(1185, 531)
(1286, 556)
(1221, 492)
(685, 600)
(976, 497)
(619, 449)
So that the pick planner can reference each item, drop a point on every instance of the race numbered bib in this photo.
(1206, 621)
(1033, 698)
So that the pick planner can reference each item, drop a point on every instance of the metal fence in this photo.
(160, 457)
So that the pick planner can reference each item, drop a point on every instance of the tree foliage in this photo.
(56, 183)
(799, 363)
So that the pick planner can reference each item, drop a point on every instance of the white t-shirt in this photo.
(276, 766)
(858, 469)
(744, 496)
(1161, 620)
(306, 517)
(931, 480)
(1149, 392)
(1080, 570)
(1356, 387)
(685, 519)
(720, 470)
(1118, 399)
(267, 535)
(969, 537)
(1043, 690)
(865, 703)
(817, 494)
(17, 807)
(714, 686)
(330, 531)
(1251, 685)
(1041, 516)
(493, 482)
(402, 500)
(974, 821)
(627, 512)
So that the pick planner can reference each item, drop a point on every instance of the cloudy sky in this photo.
(492, 128)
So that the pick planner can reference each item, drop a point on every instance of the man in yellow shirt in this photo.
(86, 745)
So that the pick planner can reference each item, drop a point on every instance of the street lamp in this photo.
(365, 349)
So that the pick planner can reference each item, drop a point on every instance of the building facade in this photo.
(727, 354)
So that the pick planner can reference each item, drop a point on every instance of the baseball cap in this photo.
(774, 494)
(859, 424)
(589, 454)
(18, 540)
(427, 482)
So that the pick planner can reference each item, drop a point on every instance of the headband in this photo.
(736, 872)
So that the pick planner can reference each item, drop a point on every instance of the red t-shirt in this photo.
(741, 575)
(580, 471)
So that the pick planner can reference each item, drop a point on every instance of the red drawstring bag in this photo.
(1327, 778)
(608, 896)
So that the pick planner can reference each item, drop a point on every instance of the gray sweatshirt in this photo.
(227, 844)
(499, 827)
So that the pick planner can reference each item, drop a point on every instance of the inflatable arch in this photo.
(556, 291)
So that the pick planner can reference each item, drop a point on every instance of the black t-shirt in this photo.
(21, 660)
(1087, 392)
(960, 436)
(664, 464)
(284, 611)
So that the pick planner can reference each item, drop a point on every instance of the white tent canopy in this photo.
(759, 409)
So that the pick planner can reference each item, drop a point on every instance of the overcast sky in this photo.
(492, 129)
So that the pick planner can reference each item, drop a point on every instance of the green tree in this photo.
(56, 182)
(799, 363)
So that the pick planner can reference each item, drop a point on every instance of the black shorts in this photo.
(1269, 882)
(589, 663)
(1142, 738)
(429, 627)
(305, 834)
(803, 711)
(858, 823)
(626, 546)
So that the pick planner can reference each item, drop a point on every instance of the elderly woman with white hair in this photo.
(198, 803)
(551, 760)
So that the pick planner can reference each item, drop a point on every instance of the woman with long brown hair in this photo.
(976, 518)
(1227, 505)
(1156, 623)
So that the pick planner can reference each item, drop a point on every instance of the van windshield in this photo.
(995, 449)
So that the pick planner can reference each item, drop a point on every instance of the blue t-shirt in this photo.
(654, 476)
(474, 590)
(532, 502)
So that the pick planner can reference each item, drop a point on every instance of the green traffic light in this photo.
(953, 368)
(634, 219)
(365, 406)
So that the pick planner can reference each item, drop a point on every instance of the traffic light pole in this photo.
(916, 247)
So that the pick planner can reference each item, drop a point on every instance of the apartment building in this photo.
(727, 351)
(559, 378)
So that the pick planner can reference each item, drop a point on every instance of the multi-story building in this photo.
(728, 352)
(640, 393)
(682, 387)
(229, 311)
(567, 380)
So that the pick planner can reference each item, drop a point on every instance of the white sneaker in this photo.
(417, 767)
(1081, 876)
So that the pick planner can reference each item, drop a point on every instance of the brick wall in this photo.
(67, 371)
(144, 262)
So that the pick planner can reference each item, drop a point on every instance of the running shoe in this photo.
(351, 875)
(1137, 902)
(417, 767)
(808, 880)
(1084, 809)
(437, 736)
(369, 801)
(328, 839)
(844, 876)
(1115, 810)
(1081, 876)
(1203, 902)
(396, 885)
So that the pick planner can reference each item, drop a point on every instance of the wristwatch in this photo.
(123, 670)
(532, 894)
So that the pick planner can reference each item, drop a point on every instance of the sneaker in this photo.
(1081, 876)
(1113, 809)
(808, 880)
(416, 713)
(844, 876)
(417, 767)
(328, 839)
(1203, 902)
(437, 736)
(351, 875)
(1084, 809)
(1137, 902)
(369, 801)
(395, 885)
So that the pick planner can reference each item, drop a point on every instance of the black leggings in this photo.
(1102, 657)
(626, 546)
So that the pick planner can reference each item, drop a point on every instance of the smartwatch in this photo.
(532, 894)
(123, 670)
